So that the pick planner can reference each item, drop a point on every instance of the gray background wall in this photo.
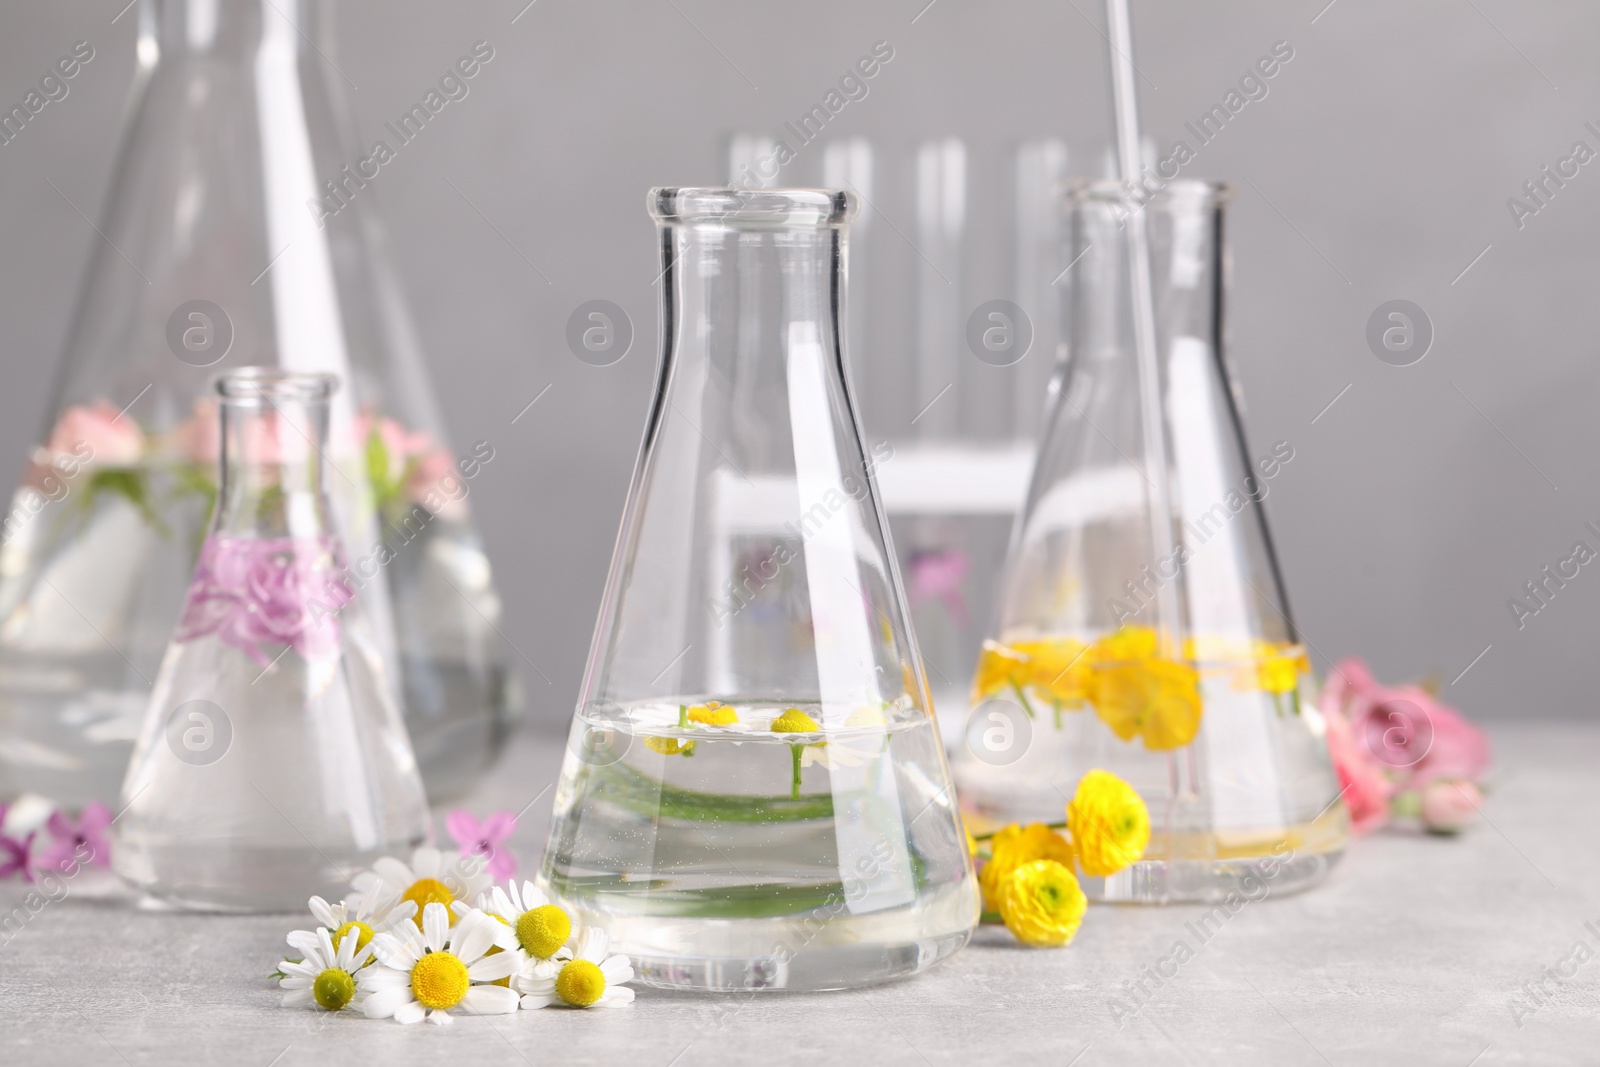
(1378, 167)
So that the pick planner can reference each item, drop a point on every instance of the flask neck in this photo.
(226, 29)
(272, 462)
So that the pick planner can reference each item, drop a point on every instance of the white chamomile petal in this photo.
(616, 970)
(435, 926)
(427, 862)
(298, 998)
(409, 1013)
(614, 997)
(325, 914)
(440, 1018)
(489, 1000)
(590, 945)
(493, 968)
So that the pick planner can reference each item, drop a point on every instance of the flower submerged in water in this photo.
(1013, 847)
(427, 880)
(1042, 903)
(429, 973)
(541, 927)
(325, 976)
(1109, 822)
(795, 721)
(712, 713)
(589, 979)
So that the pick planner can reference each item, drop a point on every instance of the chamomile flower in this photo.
(589, 979)
(541, 928)
(431, 972)
(360, 916)
(325, 977)
(428, 879)
(715, 716)
(837, 754)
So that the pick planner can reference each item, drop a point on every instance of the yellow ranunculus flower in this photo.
(1109, 822)
(998, 667)
(1042, 903)
(1058, 667)
(1157, 699)
(1013, 846)
(1131, 644)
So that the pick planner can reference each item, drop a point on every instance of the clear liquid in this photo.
(717, 869)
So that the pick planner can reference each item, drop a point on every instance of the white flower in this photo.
(430, 972)
(359, 914)
(590, 979)
(428, 879)
(323, 977)
(836, 754)
(541, 928)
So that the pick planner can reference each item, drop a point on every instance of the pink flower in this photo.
(198, 438)
(251, 592)
(1362, 783)
(16, 853)
(83, 840)
(424, 469)
(485, 839)
(1449, 804)
(113, 439)
(1408, 730)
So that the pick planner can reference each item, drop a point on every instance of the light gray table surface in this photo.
(1414, 951)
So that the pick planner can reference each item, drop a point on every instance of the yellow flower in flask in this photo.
(1042, 903)
(1109, 823)
(1157, 700)
(999, 667)
(1058, 668)
(1011, 848)
(1130, 644)
(712, 713)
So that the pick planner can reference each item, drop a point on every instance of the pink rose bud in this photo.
(1449, 804)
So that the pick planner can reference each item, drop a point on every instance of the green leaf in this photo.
(130, 484)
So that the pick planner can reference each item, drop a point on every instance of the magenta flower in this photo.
(255, 591)
(16, 853)
(84, 840)
(486, 838)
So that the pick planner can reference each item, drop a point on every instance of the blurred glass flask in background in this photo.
(272, 761)
(234, 233)
(755, 795)
(1153, 641)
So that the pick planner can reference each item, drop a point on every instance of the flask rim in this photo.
(1207, 191)
(754, 209)
(274, 383)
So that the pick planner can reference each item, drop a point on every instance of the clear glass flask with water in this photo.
(238, 230)
(272, 763)
(755, 795)
(1142, 625)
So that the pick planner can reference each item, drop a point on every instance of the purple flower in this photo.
(254, 591)
(83, 840)
(16, 853)
(485, 839)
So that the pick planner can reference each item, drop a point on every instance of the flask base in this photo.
(1214, 881)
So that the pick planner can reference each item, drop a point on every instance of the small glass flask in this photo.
(273, 762)
(755, 795)
(1143, 626)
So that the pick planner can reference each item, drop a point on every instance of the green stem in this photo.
(1027, 707)
(991, 833)
(683, 716)
(794, 752)
(638, 792)
(1056, 705)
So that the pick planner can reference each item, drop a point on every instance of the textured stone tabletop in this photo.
(1417, 950)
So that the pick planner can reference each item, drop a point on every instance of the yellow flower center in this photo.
(713, 715)
(543, 930)
(363, 934)
(580, 983)
(669, 746)
(794, 721)
(425, 891)
(333, 989)
(439, 981)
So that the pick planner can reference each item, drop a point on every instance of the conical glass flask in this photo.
(237, 231)
(1143, 626)
(272, 762)
(755, 795)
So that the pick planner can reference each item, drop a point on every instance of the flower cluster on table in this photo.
(34, 845)
(1401, 753)
(432, 938)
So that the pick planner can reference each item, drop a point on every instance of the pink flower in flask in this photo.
(82, 840)
(251, 592)
(486, 838)
(114, 439)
